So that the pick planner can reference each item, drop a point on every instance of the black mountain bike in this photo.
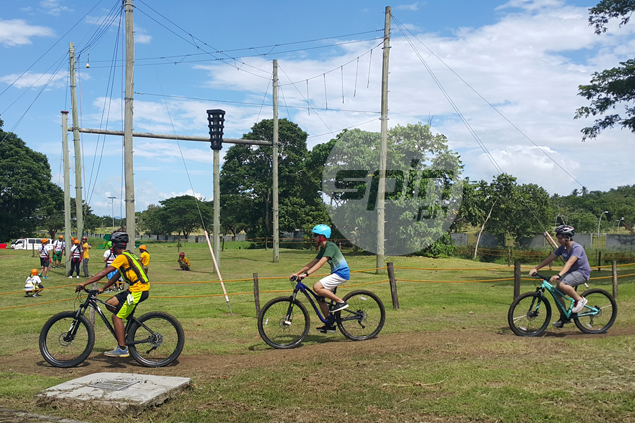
(155, 339)
(284, 321)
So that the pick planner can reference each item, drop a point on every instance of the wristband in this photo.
(306, 273)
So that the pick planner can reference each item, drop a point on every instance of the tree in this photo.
(421, 176)
(51, 215)
(25, 177)
(610, 87)
(181, 214)
(246, 183)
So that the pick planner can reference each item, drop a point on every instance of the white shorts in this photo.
(332, 281)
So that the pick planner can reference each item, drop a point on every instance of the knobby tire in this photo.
(529, 314)
(364, 318)
(156, 339)
(590, 322)
(55, 346)
(273, 329)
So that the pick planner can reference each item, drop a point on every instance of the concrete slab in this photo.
(128, 392)
(19, 416)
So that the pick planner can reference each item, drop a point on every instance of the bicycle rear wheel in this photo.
(66, 341)
(276, 330)
(156, 339)
(529, 314)
(599, 314)
(364, 318)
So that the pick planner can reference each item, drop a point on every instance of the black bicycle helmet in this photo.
(565, 230)
(119, 239)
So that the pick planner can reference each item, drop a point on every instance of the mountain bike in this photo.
(284, 321)
(155, 339)
(530, 313)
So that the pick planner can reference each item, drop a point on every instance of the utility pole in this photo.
(131, 224)
(79, 214)
(216, 238)
(383, 150)
(276, 231)
(67, 188)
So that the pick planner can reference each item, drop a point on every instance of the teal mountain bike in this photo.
(530, 313)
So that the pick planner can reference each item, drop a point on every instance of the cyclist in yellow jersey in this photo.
(122, 304)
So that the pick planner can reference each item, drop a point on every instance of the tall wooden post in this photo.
(67, 188)
(131, 224)
(78, 156)
(614, 273)
(393, 286)
(257, 294)
(383, 150)
(276, 231)
(216, 238)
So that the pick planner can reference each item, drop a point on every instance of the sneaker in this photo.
(70, 277)
(77, 276)
(560, 323)
(118, 352)
(327, 329)
(340, 306)
(36, 295)
(579, 305)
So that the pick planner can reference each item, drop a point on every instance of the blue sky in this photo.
(525, 57)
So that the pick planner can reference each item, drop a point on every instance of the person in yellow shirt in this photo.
(184, 262)
(121, 305)
(145, 257)
(85, 255)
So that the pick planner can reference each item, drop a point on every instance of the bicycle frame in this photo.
(556, 294)
(300, 287)
(92, 301)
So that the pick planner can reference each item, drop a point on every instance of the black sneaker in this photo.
(560, 323)
(327, 329)
(340, 306)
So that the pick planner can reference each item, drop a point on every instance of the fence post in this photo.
(223, 244)
(516, 279)
(91, 314)
(393, 286)
(599, 260)
(256, 294)
(614, 271)
(509, 256)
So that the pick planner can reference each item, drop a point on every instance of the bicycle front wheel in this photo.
(364, 318)
(156, 339)
(66, 341)
(529, 314)
(599, 314)
(280, 329)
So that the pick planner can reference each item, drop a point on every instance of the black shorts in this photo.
(122, 296)
(45, 261)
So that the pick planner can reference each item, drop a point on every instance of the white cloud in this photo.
(17, 32)
(35, 80)
(411, 7)
(53, 7)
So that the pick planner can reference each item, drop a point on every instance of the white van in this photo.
(26, 244)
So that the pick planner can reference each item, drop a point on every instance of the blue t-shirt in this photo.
(582, 263)
(336, 260)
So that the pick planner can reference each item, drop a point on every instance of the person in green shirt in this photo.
(340, 273)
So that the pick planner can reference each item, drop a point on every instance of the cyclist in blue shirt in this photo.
(576, 270)
(340, 273)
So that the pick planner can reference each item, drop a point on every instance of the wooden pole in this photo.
(79, 215)
(516, 279)
(276, 229)
(393, 286)
(131, 226)
(256, 294)
(67, 187)
(509, 257)
(599, 260)
(614, 272)
(217, 206)
(383, 149)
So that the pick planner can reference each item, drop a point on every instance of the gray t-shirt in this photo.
(582, 263)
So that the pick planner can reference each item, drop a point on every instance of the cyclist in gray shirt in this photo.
(576, 270)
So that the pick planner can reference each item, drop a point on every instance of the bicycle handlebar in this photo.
(538, 275)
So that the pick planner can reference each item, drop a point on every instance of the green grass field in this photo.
(445, 355)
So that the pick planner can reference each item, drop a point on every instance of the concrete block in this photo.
(127, 392)
(623, 243)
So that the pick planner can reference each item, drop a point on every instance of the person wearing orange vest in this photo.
(45, 257)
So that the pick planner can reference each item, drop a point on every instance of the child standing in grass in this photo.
(340, 273)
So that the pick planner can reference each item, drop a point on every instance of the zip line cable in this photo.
(470, 129)
(452, 104)
(107, 101)
(50, 48)
(248, 103)
(263, 99)
(488, 103)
